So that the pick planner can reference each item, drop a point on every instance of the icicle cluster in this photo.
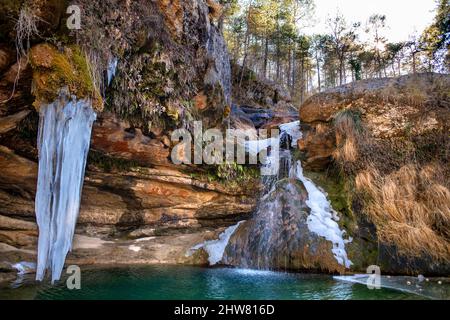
(64, 136)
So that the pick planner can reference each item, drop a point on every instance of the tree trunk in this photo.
(266, 56)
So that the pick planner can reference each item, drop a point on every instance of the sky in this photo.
(403, 17)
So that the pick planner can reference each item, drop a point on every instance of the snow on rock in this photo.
(24, 267)
(216, 248)
(322, 220)
(134, 248)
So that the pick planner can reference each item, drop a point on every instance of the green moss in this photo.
(338, 194)
(53, 70)
(230, 175)
(363, 250)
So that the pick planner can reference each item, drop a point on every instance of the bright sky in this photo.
(403, 17)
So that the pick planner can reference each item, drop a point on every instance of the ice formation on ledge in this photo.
(216, 248)
(63, 142)
(322, 220)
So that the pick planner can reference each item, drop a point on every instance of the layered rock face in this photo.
(380, 149)
(173, 68)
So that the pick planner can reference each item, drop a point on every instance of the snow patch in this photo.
(145, 239)
(322, 220)
(293, 130)
(24, 267)
(134, 248)
(216, 248)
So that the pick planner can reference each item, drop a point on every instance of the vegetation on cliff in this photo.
(54, 70)
(389, 140)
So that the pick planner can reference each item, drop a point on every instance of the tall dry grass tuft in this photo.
(26, 29)
(411, 209)
(349, 135)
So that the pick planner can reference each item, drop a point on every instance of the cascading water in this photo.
(63, 142)
(294, 226)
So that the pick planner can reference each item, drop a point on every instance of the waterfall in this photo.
(63, 142)
(292, 214)
(111, 70)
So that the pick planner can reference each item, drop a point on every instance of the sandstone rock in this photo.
(7, 223)
(10, 122)
(113, 137)
(278, 236)
(173, 13)
(395, 128)
(161, 198)
(259, 93)
(390, 109)
(19, 238)
(6, 57)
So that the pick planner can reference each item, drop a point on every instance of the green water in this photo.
(176, 282)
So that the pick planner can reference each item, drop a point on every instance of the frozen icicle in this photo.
(64, 137)
(111, 71)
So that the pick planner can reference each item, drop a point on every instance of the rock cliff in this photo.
(381, 150)
(150, 67)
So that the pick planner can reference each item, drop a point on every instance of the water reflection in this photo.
(176, 282)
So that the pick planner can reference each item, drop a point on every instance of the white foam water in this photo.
(63, 142)
(293, 130)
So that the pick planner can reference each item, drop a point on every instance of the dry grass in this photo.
(26, 29)
(411, 209)
(347, 153)
(349, 135)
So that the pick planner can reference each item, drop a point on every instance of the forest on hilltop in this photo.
(267, 36)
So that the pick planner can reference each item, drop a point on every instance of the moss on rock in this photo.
(54, 69)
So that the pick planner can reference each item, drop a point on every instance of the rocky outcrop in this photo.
(173, 68)
(384, 144)
(278, 236)
(390, 109)
(134, 203)
(251, 91)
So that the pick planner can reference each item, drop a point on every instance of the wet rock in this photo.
(9, 123)
(278, 237)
